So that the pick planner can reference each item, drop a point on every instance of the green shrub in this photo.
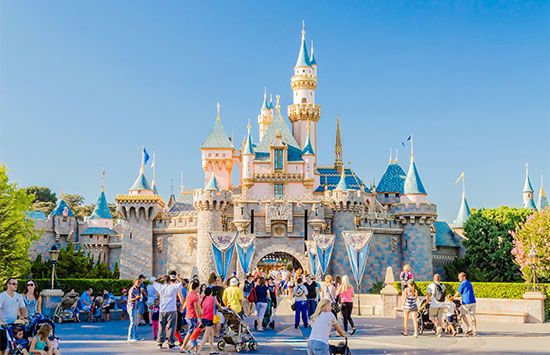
(79, 285)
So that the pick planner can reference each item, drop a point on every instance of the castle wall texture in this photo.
(175, 252)
(208, 221)
(137, 249)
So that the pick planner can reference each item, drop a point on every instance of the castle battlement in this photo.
(206, 199)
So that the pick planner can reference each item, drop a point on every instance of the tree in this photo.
(489, 244)
(76, 204)
(41, 194)
(46, 207)
(16, 229)
(534, 233)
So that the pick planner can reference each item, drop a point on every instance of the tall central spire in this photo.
(338, 147)
(303, 57)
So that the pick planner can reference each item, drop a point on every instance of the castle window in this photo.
(278, 190)
(386, 195)
(278, 161)
(304, 100)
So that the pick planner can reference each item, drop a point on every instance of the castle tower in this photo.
(95, 238)
(64, 223)
(543, 201)
(338, 150)
(210, 203)
(217, 154)
(392, 183)
(416, 216)
(266, 115)
(138, 209)
(304, 84)
(345, 204)
(528, 192)
(248, 159)
(463, 212)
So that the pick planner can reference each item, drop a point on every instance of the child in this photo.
(450, 313)
(405, 276)
(21, 343)
(41, 341)
(194, 339)
(155, 311)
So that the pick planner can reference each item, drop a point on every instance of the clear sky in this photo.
(85, 84)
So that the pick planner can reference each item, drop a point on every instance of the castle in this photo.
(284, 197)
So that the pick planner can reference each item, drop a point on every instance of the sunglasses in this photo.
(30, 284)
(12, 283)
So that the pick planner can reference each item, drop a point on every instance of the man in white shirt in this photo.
(436, 297)
(12, 307)
(168, 291)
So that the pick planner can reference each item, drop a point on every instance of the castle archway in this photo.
(283, 252)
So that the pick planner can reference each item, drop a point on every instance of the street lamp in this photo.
(532, 263)
(54, 253)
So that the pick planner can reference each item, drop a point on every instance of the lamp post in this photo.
(54, 253)
(532, 264)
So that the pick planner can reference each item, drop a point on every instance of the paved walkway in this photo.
(375, 336)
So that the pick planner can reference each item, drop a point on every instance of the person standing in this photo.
(468, 307)
(192, 312)
(300, 301)
(435, 296)
(311, 286)
(233, 297)
(345, 292)
(328, 292)
(33, 300)
(405, 276)
(248, 286)
(208, 309)
(134, 296)
(12, 307)
(410, 307)
(262, 293)
(322, 322)
(168, 291)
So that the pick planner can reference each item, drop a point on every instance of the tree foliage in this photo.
(533, 234)
(41, 194)
(489, 244)
(16, 229)
(72, 263)
(76, 204)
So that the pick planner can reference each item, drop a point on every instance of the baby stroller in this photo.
(65, 311)
(13, 346)
(37, 321)
(236, 332)
(341, 348)
(424, 321)
(96, 310)
(269, 316)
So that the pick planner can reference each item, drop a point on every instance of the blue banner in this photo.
(245, 255)
(223, 246)
(323, 258)
(358, 246)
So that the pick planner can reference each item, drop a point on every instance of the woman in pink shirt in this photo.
(345, 291)
(208, 305)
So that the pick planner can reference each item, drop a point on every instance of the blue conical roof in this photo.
(61, 206)
(141, 183)
(543, 201)
(527, 187)
(312, 58)
(308, 148)
(463, 213)
(217, 138)
(101, 209)
(213, 183)
(303, 57)
(393, 179)
(248, 146)
(413, 183)
(530, 204)
(342, 184)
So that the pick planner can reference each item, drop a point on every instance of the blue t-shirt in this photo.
(85, 297)
(466, 290)
(261, 294)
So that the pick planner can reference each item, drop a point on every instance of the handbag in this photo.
(293, 306)
(216, 318)
(252, 296)
(335, 306)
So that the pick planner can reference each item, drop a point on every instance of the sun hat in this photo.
(234, 282)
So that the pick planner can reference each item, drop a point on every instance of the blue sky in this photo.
(85, 84)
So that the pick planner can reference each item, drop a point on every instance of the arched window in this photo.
(304, 100)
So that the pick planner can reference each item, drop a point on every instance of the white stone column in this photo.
(534, 304)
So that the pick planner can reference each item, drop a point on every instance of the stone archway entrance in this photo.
(281, 251)
(277, 260)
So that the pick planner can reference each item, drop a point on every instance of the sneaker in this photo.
(161, 346)
(214, 352)
(353, 330)
(172, 346)
(132, 340)
(415, 335)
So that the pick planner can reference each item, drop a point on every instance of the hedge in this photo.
(79, 285)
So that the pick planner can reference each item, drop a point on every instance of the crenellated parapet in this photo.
(303, 81)
(411, 213)
(208, 200)
(304, 112)
(349, 200)
(139, 207)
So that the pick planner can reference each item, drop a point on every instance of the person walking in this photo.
(233, 297)
(300, 302)
(192, 313)
(262, 293)
(134, 296)
(311, 286)
(328, 292)
(468, 307)
(323, 320)
(435, 296)
(248, 286)
(410, 307)
(208, 308)
(168, 291)
(33, 300)
(345, 292)
(12, 307)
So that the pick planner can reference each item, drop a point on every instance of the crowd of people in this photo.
(181, 309)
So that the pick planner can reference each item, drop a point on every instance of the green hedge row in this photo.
(79, 285)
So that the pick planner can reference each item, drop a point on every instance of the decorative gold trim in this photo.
(302, 112)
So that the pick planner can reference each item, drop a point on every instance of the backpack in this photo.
(252, 298)
(439, 292)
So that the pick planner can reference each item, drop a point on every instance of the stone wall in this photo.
(137, 249)
(175, 252)
(208, 221)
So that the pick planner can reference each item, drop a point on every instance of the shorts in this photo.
(437, 313)
(194, 343)
(207, 322)
(192, 323)
(450, 319)
(468, 309)
(3, 340)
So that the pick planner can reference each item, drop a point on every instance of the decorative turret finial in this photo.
(264, 103)
(338, 151)
(277, 104)
(218, 117)
(103, 180)
(527, 187)
(396, 151)
(271, 101)
(543, 200)
(312, 57)
(181, 181)
(412, 148)
(171, 186)
(303, 30)
(390, 157)
(248, 126)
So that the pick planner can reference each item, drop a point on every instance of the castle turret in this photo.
(392, 184)
(528, 192)
(543, 200)
(248, 157)
(138, 209)
(64, 223)
(304, 84)
(416, 216)
(210, 203)
(266, 115)
(338, 149)
(308, 154)
(217, 154)
(463, 212)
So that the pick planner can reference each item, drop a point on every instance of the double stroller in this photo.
(425, 323)
(17, 345)
(236, 332)
(269, 316)
(66, 310)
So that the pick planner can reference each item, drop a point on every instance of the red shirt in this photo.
(208, 308)
(192, 299)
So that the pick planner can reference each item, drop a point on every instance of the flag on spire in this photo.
(145, 156)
